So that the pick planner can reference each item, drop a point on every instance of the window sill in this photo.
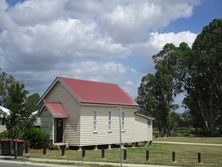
(109, 131)
(95, 131)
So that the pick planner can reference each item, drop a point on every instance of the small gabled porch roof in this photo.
(56, 109)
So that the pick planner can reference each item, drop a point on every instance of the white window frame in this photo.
(94, 122)
(123, 121)
(110, 122)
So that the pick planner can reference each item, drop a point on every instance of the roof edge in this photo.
(136, 104)
(47, 90)
(107, 104)
(57, 79)
(144, 116)
(67, 88)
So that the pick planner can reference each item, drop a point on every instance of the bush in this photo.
(4, 135)
(35, 138)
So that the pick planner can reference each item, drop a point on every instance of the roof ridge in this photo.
(88, 80)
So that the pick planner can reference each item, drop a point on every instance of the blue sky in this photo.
(202, 15)
(109, 41)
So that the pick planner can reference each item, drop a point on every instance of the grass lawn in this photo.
(186, 155)
(214, 140)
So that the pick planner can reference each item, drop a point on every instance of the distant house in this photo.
(84, 113)
(3, 113)
(37, 123)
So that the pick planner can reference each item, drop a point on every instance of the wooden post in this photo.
(83, 152)
(125, 154)
(103, 153)
(26, 149)
(147, 155)
(136, 144)
(173, 156)
(199, 157)
(44, 150)
(62, 150)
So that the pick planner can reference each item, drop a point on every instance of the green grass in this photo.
(213, 140)
(186, 155)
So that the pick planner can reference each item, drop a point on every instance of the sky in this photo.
(101, 40)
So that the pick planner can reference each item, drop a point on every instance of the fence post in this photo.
(125, 154)
(26, 149)
(62, 147)
(44, 150)
(173, 156)
(83, 152)
(199, 157)
(103, 153)
(147, 155)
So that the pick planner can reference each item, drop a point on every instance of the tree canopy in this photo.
(14, 96)
(204, 84)
(195, 72)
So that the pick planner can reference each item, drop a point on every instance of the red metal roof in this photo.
(97, 92)
(56, 109)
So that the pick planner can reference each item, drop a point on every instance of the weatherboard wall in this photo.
(142, 130)
(103, 135)
(60, 94)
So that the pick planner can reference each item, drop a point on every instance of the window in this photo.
(95, 121)
(123, 121)
(110, 121)
(149, 123)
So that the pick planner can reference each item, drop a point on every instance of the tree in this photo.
(5, 82)
(28, 117)
(204, 81)
(30, 107)
(15, 102)
(157, 91)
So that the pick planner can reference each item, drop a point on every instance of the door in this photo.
(59, 130)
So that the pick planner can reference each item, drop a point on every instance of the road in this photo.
(2, 164)
(188, 143)
(12, 163)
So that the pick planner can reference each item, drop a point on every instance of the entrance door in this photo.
(59, 130)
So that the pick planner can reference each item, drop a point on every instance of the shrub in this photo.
(35, 138)
(4, 135)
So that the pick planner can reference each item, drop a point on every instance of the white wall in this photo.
(103, 136)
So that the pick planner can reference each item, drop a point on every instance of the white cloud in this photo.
(124, 21)
(157, 40)
(40, 39)
(33, 12)
(61, 41)
(130, 22)
(6, 21)
(107, 71)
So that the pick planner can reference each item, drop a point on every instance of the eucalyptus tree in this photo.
(204, 84)
(157, 91)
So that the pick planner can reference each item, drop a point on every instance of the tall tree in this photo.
(5, 82)
(15, 102)
(157, 91)
(204, 84)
